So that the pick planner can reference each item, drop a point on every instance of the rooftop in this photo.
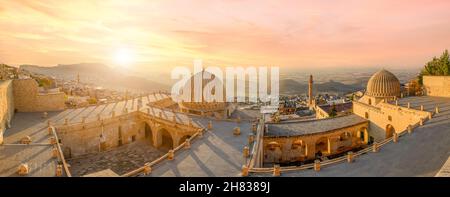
(313, 126)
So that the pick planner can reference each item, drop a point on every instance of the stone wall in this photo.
(304, 147)
(6, 106)
(28, 99)
(437, 85)
(102, 135)
(79, 139)
(385, 114)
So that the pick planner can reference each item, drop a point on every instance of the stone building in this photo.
(378, 106)
(298, 141)
(374, 117)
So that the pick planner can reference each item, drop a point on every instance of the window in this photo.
(370, 101)
(390, 118)
(366, 115)
(133, 138)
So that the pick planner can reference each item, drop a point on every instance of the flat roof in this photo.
(313, 126)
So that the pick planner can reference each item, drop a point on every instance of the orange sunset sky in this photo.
(159, 34)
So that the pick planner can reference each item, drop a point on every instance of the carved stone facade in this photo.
(298, 148)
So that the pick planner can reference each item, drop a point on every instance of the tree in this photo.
(436, 67)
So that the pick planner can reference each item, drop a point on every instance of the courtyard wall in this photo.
(437, 85)
(28, 99)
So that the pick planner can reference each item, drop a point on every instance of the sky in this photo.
(156, 35)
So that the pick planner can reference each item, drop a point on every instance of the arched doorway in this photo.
(389, 131)
(321, 146)
(298, 149)
(363, 135)
(166, 139)
(273, 152)
(148, 133)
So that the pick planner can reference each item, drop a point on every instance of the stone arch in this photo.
(273, 152)
(299, 148)
(148, 132)
(363, 135)
(119, 134)
(389, 130)
(165, 139)
(322, 145)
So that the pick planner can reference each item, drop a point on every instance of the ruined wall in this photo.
(437, 85)
(28, 99)
(6, 106)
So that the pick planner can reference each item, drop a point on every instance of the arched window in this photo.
(390, 118)
(370, 101)
(366, 115)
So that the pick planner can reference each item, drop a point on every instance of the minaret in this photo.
(310, 91)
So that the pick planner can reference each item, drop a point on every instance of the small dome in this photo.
(383, 84)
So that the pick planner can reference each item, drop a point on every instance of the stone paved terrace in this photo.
(217, 154)
(119, 160)
(38, 158)
(421, 153)
(37, 155)
(445, 170)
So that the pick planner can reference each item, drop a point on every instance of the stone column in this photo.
(375, 147)
(237, 131)
(410, 129)
(276, 170)
(246, 152)
(210, 126)
(421, 107)
(147, 169)
(436, 109)
(59, 170)
(171, 155)
(54, 152)
(409, 105)
(395, 137)
(317, 165)
(244, 171)
(350, 157)
(251, 138)
(187, 144)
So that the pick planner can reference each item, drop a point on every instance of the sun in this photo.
(124, 57)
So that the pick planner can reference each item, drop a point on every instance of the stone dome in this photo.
(383, 84)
